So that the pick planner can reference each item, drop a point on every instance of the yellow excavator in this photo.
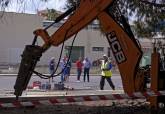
(125, 48)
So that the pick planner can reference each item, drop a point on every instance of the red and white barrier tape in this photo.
(71, 99)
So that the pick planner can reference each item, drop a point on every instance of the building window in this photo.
(77, 51)
(97, 48)
(93, 25)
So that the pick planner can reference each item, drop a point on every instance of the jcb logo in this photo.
(116, 47)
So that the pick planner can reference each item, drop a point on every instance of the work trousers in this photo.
(86, 72)
(79, 73)
(102, 82)
(51, 72)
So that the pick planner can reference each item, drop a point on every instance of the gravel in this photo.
(99, 107)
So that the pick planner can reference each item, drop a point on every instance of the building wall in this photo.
(90, 39)
(16, 31)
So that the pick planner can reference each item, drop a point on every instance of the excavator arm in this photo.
(84, 14)
(124, 46)
(125, 50)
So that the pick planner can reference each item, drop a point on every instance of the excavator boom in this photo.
(84, 14)
(124, 47)
(125, 50)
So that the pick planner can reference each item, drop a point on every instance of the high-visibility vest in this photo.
(107, 73)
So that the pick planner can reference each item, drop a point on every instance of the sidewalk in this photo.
(44, 70)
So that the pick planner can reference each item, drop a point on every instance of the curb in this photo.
(72, 99)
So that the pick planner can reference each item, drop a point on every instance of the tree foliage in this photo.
(52, 14)
(148, 16)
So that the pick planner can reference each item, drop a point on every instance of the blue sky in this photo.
(31, 6)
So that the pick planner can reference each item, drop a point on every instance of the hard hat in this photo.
(52, 58)
(104, 55)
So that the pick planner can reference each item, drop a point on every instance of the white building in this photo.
(16, 31)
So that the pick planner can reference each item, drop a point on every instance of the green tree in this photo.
(149, 17)
(52, 14)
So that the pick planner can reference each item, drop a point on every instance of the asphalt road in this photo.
(117, 107)
(7, 82)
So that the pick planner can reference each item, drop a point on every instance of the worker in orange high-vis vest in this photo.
(106, 73)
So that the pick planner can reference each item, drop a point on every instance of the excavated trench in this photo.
(96, 107)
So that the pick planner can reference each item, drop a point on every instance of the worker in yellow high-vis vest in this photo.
(106, 73)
